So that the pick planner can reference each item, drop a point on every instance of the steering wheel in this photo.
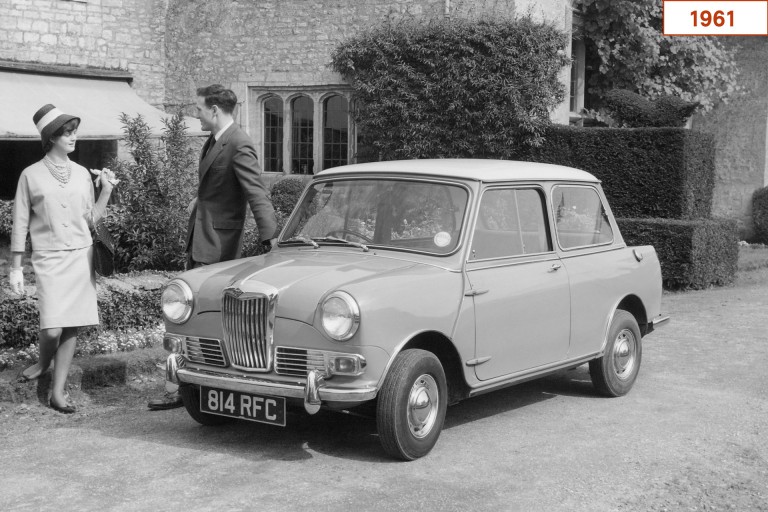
(337, 232)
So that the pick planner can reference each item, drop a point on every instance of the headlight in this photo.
(341, 316)
(177, 301)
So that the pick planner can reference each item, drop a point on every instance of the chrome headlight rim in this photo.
(354, 315)
(186, 293)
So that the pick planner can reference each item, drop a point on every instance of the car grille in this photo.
(296, 362)
(247, 331)
(204, 351)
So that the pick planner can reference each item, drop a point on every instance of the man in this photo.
(230, 180)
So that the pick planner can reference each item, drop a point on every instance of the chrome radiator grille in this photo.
(204, 351)
(247, 322)
(296, 362)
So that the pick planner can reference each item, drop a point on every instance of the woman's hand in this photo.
(106, 179)
(16, 278)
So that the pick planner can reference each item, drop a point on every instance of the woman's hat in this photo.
(49, 119)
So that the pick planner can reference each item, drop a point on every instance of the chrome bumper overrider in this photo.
(314, 393)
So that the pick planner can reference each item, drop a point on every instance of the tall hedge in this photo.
(693, 253)
(454, 87)
(646, 172)
(760, 214)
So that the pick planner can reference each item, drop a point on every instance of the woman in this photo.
(55, 204)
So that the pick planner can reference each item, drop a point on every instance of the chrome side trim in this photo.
(265, 387)
(517, 378)
(659, 320)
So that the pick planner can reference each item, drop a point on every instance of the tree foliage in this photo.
(454, 87)
(625, 36)
(149, 220)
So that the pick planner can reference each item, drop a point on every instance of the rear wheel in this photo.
(411, 405)
(615, 373)
(190, 396)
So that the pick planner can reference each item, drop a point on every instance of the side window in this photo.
(580, 219)
(510, 222)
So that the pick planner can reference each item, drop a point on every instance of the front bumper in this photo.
(313, 393)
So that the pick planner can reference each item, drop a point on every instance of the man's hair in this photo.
(67, 127)
(217, 95)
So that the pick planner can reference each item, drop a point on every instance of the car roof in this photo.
(468, 169)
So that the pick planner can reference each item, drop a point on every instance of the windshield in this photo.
(400, 214)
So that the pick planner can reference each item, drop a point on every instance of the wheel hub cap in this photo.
(423, 402)
(624, 354)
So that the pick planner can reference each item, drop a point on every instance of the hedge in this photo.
(694, 254)
(646, 172)
(760, 214)
(122, 305)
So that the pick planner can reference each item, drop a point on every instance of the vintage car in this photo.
(407, 286)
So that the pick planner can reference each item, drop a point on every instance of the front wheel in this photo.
(412, 404)
(190, 396)
(616, 372)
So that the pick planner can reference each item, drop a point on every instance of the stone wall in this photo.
(741, 134)
(287, 43)
(113, 34)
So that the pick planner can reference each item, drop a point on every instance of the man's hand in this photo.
(16, 277)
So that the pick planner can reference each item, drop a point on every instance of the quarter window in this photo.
(510, 222)
(580, 219)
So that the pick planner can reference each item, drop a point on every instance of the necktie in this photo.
(210, 146)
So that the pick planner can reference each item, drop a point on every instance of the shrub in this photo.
(646, 172)
(6, 218)
(149, 222)
(760, 214)
(632, 110)
(285, 194)
(694, 254)
(122, 305)
(453, 87)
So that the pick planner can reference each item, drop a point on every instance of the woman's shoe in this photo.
(23, 377)
(67, 409)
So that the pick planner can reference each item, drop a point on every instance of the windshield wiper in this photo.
(341, 240)
(301, 239)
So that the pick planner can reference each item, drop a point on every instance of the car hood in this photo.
(301, 277)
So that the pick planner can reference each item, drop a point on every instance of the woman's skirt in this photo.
(66, 288)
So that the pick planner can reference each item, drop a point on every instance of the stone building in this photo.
(273, 53)
(98, 58)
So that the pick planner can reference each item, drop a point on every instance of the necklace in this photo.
(62, 172)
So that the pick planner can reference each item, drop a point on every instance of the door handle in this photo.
(555, 267)
(474, 293)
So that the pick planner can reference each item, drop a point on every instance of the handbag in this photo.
(103, 250)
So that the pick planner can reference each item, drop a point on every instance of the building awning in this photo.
(98, 102)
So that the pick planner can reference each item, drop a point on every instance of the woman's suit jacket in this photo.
(229, 180)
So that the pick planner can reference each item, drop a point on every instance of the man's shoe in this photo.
(169, 401)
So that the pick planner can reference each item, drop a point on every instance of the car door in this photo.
(519, 286)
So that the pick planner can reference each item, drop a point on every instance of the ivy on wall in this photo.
(624, 39)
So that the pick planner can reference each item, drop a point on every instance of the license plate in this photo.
(245, 406)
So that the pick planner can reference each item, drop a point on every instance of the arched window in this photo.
(273, 135)
(302, 126)
(335, 131)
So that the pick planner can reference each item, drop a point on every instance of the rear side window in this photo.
(580, 219)
(510, 222)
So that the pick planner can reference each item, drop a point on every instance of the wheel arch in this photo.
(443, 348)
(633, 305)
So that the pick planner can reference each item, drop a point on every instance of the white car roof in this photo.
(468, 169)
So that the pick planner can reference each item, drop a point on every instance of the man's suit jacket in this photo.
(229, 180)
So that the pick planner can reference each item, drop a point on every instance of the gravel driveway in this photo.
(692, 435)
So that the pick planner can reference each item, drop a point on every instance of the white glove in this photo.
(105, 174)
(16, 278)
